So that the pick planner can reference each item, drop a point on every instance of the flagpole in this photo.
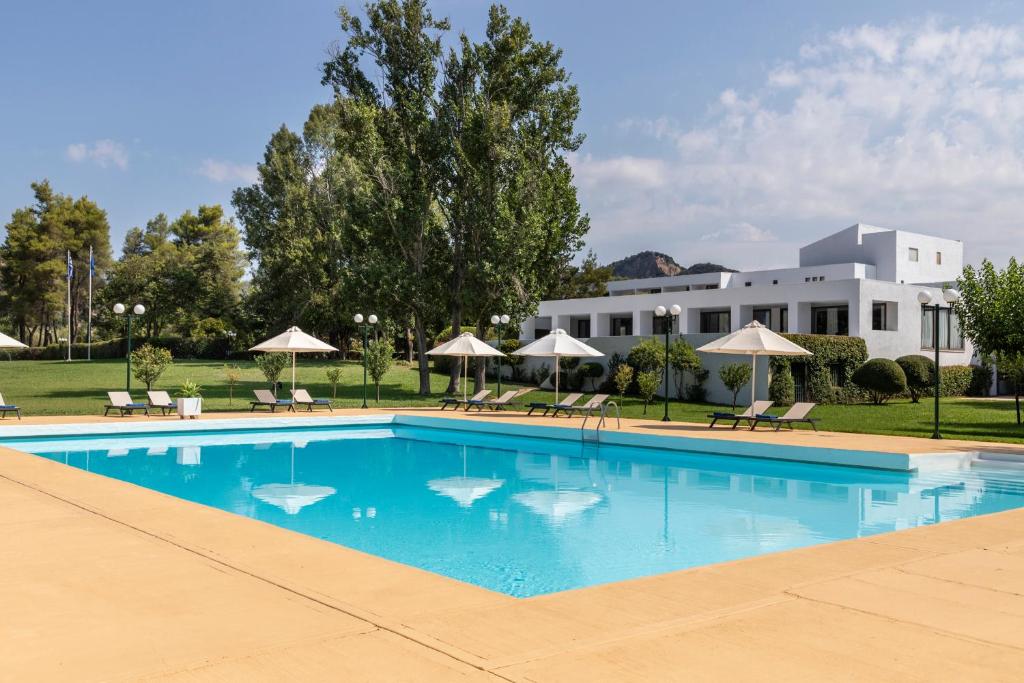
(69, 304)
(88, 342)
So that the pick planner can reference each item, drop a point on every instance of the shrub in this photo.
(592, 371)
(647, 385)
(334, 377)
(981, 378)
(272, 365)
(842, 354)
(623, 378)
(920, 372)
(697, 392)
(683, 359)
(541, 374)
(514, 362)
(735, 376)
(571, 378)
(190, 389)
(616, 360)
(232, 376)
(956, 380)
(645, 356)
(379, 355)
(781, 388)
(149, 362)
(881, 378)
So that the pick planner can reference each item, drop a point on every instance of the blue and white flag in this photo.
(71, 267)
(92, 263)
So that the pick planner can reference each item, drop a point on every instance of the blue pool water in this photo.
(527, 516)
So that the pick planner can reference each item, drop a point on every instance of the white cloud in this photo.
(919, 126)
(228, 172)
(103, 153)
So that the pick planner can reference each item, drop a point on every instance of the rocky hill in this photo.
(656, 264)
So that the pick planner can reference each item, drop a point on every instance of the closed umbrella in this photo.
(754, 339)
(293, 341)
(557, 345)
(465, 346)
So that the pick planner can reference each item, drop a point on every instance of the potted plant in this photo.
(190, 400)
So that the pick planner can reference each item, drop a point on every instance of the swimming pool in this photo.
(527, 515)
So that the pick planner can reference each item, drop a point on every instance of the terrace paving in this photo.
(104, 580)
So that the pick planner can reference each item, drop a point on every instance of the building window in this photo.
(950, 337)
(783, 320)
(938, 258)
(581, 327)
(775, 282)
(541, 327)
(660, 324)
(763, 316)
(711, 287)
(833, 320)
(622, 325)
(746, 284)
(715, 321)
(913, 254)
(878, 311)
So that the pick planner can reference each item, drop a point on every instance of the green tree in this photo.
(735, 376)
(647, 385)
(232, 376)
(334, 374)
(684, 361)
(647, 355)
(991, 311)
(272, 365)
(587, 280)
(379, 356)
(149, 362)
(33, 264)
(623, 377)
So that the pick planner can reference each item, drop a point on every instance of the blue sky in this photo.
(724, 131)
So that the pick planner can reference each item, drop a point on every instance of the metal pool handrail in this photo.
(604, 413)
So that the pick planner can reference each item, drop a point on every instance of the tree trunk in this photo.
(408, 344)
(480, 374)
(455, 371)
(421, 351)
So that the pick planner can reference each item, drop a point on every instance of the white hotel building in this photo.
(862, 281)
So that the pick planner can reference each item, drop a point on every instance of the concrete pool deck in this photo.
(104, 580)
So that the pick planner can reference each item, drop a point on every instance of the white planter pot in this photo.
(189, 407)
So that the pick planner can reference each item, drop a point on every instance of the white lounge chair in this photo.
(758, 408)
(122, 402)
(6, 407)
(265, 397)
(797, 413)
(456, 402)
(303, 398)
(161, 400)
(501, 402)
(566, 402)
(595, 402)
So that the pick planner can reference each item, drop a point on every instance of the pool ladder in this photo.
(601, 420)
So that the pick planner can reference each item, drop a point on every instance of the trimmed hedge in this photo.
(845, 353)
(881, 378)
(114, 348)
(920, 372)
(956, 380)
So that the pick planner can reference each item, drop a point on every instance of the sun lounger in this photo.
(6, 407)
(122, 402)
(501, 402)
(758, 408)
(161, 400)
(456, 402)
(265, 397)
(566, 402)
(302, 398)
(796, 414)
(593, 403)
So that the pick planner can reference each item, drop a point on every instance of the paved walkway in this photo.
(103, 580)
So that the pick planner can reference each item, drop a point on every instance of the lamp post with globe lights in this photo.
(498, 321)
(137, 309)
(668, 314)
(370, 321)
(931, 302)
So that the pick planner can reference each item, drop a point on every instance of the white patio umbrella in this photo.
(465, 346)
(754, 339)
(10, 342)
(292, 497)
(293, 341)
(558, 344)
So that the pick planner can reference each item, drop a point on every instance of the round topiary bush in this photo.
(920, 373)
(881, 378)
(593, 372)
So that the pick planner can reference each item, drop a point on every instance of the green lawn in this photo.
(77, 388)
